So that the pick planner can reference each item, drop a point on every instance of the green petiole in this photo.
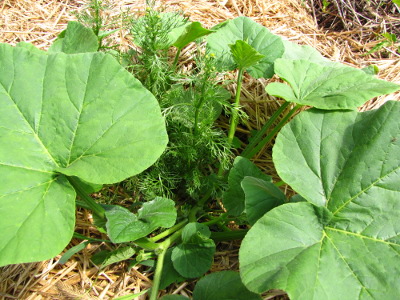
(273, 132)
(96, 208)
(236, 105)
(257, 138)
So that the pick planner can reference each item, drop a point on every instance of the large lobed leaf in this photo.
(256, 35)
(326, 86)
(345, 243)
(80, 115)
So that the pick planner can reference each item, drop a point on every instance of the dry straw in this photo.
(39, 22)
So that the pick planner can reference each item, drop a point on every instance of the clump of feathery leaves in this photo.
(191, 102)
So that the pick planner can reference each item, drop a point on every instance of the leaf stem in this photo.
(96, 208)
(235, 107)
(160, 262)
(178, 52)
(256, 139)
(273, 132)
(169, 231)
(157, 274)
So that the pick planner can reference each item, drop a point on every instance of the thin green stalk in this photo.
(169, 231)
(273, 132)
(257, 138)
(174, 64)
(234, 116)
(160, 262)
(96, 208)
(235, 108)
(157, 274)
(216, 220)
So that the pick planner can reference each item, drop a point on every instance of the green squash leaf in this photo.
(192, 32)
(75, 39)
(260, 196)
(294, 51)
(332, 151)
(194, 256)
(256, 35)
(244, 55)
(82, 115)
(234, 197)
(326, 87)
(30, 47)
(225, 285)
(124, 226)
(347, 164)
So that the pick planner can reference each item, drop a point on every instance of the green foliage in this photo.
(192, 32)
(386, 40)
(244, 55)
(124, 226)
(191, 107)
(234, 196)
(105, 258)
(151, 33)
(75, 39)
(87, 122)
(257, 36)
(346, 164)
(326, 87)
(260, 197)
(70, 123)
(194, 255)
(97, 17)
(225, 285)
(169, 274)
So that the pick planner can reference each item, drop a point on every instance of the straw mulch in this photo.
(39, 22)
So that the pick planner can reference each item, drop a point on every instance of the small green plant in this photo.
(386, 40)
(87, 121)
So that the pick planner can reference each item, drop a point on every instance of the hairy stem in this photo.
(257, 138)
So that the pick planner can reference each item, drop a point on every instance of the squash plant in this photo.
(73, 119)
(65, 119)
